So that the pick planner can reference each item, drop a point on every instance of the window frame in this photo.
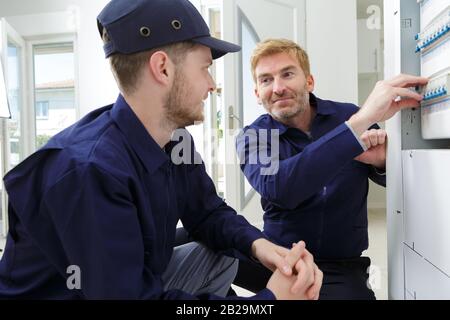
(31, 44)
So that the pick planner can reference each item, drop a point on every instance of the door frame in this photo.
(235, 183)
(10, 35)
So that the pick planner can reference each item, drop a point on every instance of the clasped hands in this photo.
(295, 275)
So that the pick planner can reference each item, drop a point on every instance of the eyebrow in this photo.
(288, 68)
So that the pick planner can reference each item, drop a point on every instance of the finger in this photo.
(280, 261)
(406, 80)
(282, 251)
(318, 285)
(365, 139)
(291, 259)
(407, 104)
(373, 137)
(286, 259)
(382, 137)
(301, 281)
(406, 93)
(294, 255)
(305, 276)
(314, 292)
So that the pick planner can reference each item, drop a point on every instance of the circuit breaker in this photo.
(433, 45)
(417, 39)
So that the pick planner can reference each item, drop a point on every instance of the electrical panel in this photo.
(417, 41)
(433, 45)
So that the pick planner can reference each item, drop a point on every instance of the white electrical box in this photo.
(423, 281)
(429, 9)
(433, 45)
(417, 41)
(426, 180)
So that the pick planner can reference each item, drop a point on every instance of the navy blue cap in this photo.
(139, 25)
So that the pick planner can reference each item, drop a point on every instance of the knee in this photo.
(230, 265)
(221, 263)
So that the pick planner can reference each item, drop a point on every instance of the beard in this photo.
(301, 105)
(177, 107)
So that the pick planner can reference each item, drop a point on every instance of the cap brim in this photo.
(218, 47)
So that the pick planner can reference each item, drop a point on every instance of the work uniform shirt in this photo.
(104, 199)
(316, 192)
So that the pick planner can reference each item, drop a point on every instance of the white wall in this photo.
(26, 7)
(42, 24)
(332, 48)
(96, 83)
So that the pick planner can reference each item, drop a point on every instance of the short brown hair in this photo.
(127, 68)
(273, 46)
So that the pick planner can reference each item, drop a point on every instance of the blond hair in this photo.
(274, 46)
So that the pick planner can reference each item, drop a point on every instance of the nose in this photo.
(278, 86)
(212, 84)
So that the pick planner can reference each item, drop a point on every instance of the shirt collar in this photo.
(323, 108)
(149, 152)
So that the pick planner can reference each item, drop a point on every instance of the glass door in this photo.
(246, 22)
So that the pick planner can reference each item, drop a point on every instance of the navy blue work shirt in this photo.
(319, 193)
(104, 197)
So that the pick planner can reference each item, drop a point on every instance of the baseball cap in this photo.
(139, 25)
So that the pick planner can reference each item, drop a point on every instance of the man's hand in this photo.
(384, 101)
(376, 142)
(303, 269)
(271, 256)
(288, 287)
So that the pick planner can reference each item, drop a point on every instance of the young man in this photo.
(318, 192)
(93, 213)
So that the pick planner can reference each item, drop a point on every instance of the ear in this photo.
(160, 67)
(310, 83)
(258, 98)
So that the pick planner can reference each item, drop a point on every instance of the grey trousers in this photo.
(197, 270)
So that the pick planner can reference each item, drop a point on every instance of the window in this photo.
(54, 89)
(42, 110)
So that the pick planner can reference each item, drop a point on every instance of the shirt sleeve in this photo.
(376, 175)
(98, 226)
(210, 220)
(314, 167)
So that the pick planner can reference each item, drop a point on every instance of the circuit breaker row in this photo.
(433, 46)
